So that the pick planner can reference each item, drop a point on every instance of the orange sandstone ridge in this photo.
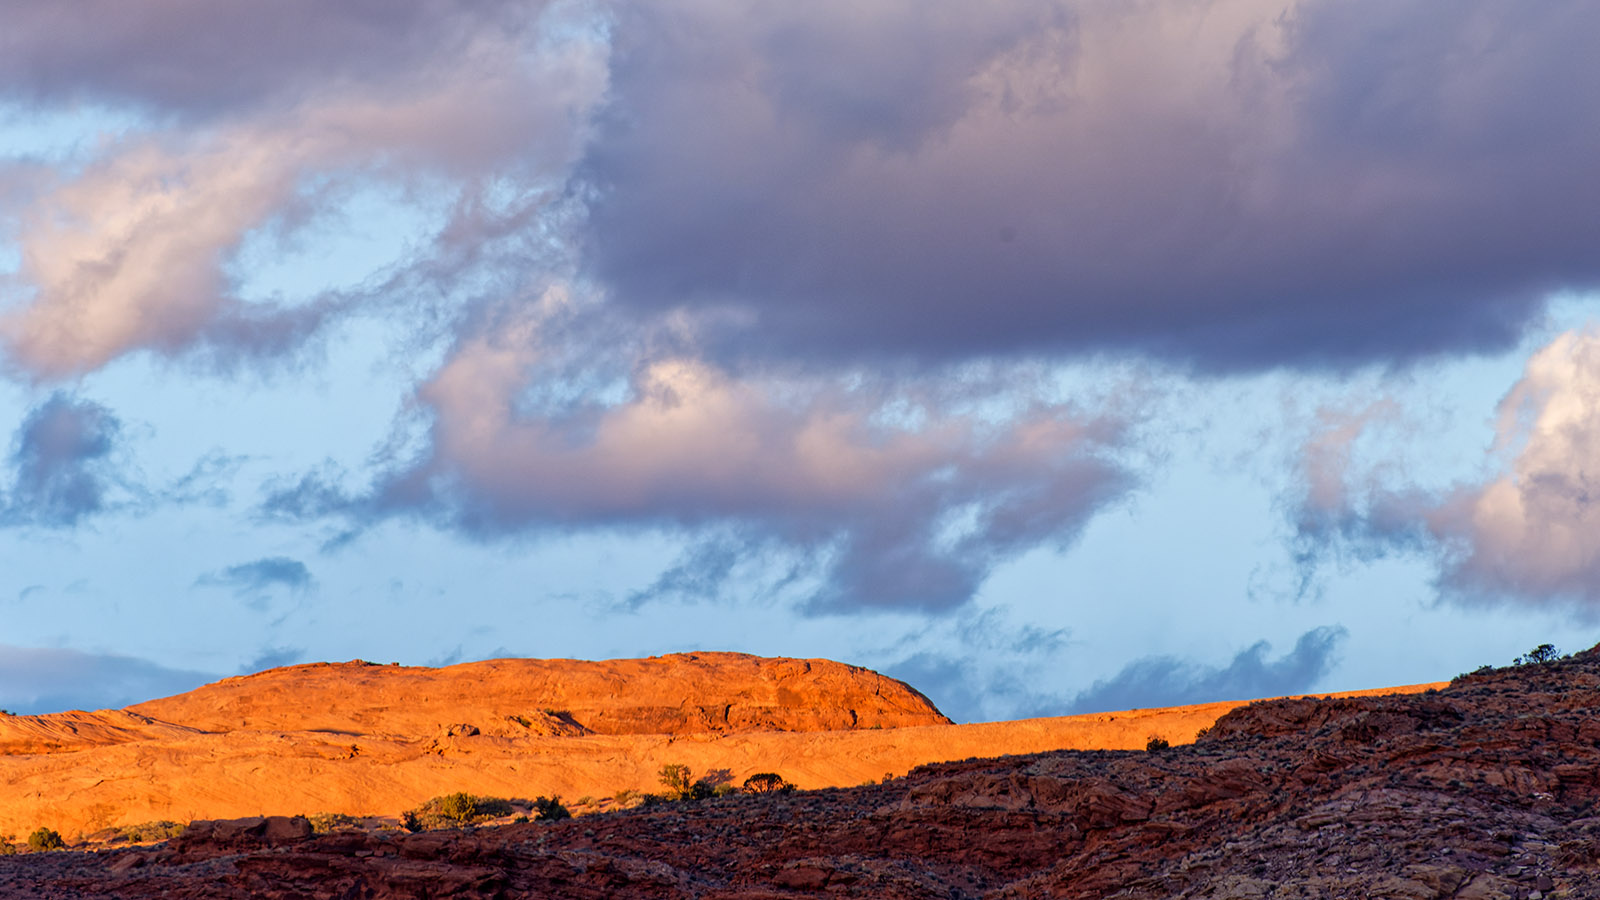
(364, 739)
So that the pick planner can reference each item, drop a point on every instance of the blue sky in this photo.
(1052, 356)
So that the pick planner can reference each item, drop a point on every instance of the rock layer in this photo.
(677, 694)
(292, 741)
(1484, 790)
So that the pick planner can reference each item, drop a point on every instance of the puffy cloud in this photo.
(62, 459)
(1155, 681)
(51, 679)
(904, 500)
(1529, 531)
(1240, 184)
(1534, 531)
(132, 252)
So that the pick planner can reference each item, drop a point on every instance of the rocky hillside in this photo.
(1483, 790)
(677, 694)
(369, 740)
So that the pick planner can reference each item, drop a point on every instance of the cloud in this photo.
(1533, 531)
(254, 578)
(131, 253)
(62, 459)
(993, 675)
(1156, 681)
(39, 680)
(1241, 184)
(903, 497)
(201, 58)
(1528, 532)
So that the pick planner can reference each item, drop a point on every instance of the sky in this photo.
(1053, 356)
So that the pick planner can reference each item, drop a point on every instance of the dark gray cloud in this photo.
(45, 679)
(62, 459)
(254, 578)
(192, 56)
(1238, 185)
(1156, 681)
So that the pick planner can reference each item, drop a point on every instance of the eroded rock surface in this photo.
(1485, 790)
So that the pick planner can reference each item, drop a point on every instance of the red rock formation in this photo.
(677, 694)
(1486, 790)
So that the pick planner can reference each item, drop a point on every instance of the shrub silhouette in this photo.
(45, 839)
(766, 783)
(1156, 743)
(1541, 654)
(549, 809)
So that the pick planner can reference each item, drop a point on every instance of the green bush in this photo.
(677, 779)
(325, 823)
(45, 839)
(150, 832)
(454, 811)
(681, 784)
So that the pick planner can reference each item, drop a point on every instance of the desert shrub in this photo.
(1202, 732)
(724, 790)
(6, 847)
(677, 779)
(1541, 654)
(149, 832)
(454, 811)
(625, 797)
(324, 823)
(1155, 743)
(45, 839)
(764, 783)
(549, 809)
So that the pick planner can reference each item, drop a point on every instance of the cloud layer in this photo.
(907, 499)
(1239, 184)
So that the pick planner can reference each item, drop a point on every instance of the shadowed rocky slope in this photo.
(1484, 790)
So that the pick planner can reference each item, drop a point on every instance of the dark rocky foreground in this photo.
(1485, 790)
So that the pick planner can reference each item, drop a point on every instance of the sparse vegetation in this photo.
(1539, 655)
(325, 823)
(151, 832)
(1202, 732)
(681, 784)
(549, 809)
(766, 783)
(7, 848)
(1155, 743)
(455, 811)
(45, 839)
